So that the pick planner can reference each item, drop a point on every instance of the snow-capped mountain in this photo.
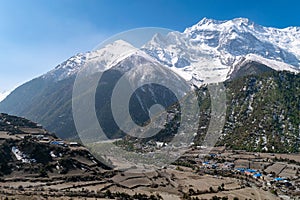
(104, 58)
(209, 51)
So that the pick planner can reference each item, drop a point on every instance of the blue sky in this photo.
(36, 35)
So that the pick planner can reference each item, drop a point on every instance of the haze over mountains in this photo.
(211, 51)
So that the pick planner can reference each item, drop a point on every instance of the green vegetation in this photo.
(263, 113)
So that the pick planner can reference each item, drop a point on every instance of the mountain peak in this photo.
(242, 20)
(207, 23)
(120, 43)
(239, 20)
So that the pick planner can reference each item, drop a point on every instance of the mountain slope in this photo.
(208, 52)
(48, 98)
(263, 112)
(28, 150)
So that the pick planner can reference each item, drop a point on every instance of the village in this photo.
(278, 173)
(38, 135)
(272, 172)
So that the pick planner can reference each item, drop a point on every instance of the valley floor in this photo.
(222, 174)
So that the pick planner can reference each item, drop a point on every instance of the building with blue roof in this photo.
(250, 170)
(278, 179)
(257, 175)
(240, 169)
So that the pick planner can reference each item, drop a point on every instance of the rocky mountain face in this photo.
(209, 52)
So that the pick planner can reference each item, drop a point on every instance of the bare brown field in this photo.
(242, 194)
(276, 167)
(173, 182)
